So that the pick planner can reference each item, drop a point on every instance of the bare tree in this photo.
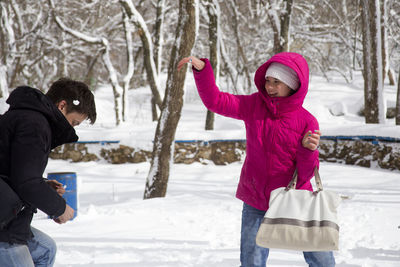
(398, 102)
(158, 45)
(158, 34)
(375, 111)
(280, 22)
(35, 51)
(385, 46)
(157, 179)
(329, 32)
(119, 95)
(384, 38)
(213, 33)
(285, 25)
(393, 10)
(233, 8)
(6, 40)
(145, 36)
(21, 33)
(131, 66)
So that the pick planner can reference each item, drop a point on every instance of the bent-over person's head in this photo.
(74, 100)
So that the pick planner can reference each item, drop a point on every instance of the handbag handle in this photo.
(293, 182)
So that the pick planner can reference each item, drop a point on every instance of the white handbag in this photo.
(300, 219)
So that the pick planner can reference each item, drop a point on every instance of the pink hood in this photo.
(274, 130)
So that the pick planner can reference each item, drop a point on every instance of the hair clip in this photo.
(75, 102)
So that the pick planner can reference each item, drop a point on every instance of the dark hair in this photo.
(77, 95)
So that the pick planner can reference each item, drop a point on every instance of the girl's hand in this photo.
(196, 63)
(311, 140)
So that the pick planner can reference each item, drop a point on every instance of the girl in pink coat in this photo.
(280, 136)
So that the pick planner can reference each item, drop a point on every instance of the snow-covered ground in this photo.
(198, 223)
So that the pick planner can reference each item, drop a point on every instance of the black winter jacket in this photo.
(28, 131)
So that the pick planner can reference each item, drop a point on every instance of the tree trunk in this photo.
(385, 42)
(228, 67)
(131, 67)
(90, 63)
(235, 20)
(210, 118)
(213, 14)
(398, 102)
(158, 40)
(391, 77)
(163, 149)
(384, 38)
(6, 34)
(117, 90)
(62, 68)
(152, 77)
(138, 21)
(375, 111)
(3, 81)
(274, 20)
(154, 113)
(280, 25)
(158, 34)
(285, 26)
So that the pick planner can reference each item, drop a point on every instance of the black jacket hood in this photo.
(29, 98)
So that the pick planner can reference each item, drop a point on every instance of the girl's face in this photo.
(276, 88)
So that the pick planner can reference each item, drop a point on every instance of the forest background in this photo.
(104, 42)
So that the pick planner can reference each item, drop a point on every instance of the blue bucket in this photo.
(68, 179)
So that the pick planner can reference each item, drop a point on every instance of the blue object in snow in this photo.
(68, 179)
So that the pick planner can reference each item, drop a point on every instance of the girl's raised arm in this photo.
(226, 104)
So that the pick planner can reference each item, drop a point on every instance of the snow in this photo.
(198, 222)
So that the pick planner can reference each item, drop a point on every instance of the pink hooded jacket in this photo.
(275, 128)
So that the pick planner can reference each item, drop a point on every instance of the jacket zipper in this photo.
(270, 148)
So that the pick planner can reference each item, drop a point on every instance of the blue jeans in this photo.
(40, 251)
(252, 255)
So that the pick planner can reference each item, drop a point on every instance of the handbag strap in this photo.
(293, 182)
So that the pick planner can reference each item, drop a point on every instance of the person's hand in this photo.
(196, 63)
(56, 185)
(66, 216)
(311, 140)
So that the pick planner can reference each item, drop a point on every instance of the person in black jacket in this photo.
(34, 124)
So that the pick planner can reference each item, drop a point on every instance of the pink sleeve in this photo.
(307, 159)
(235, 106)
